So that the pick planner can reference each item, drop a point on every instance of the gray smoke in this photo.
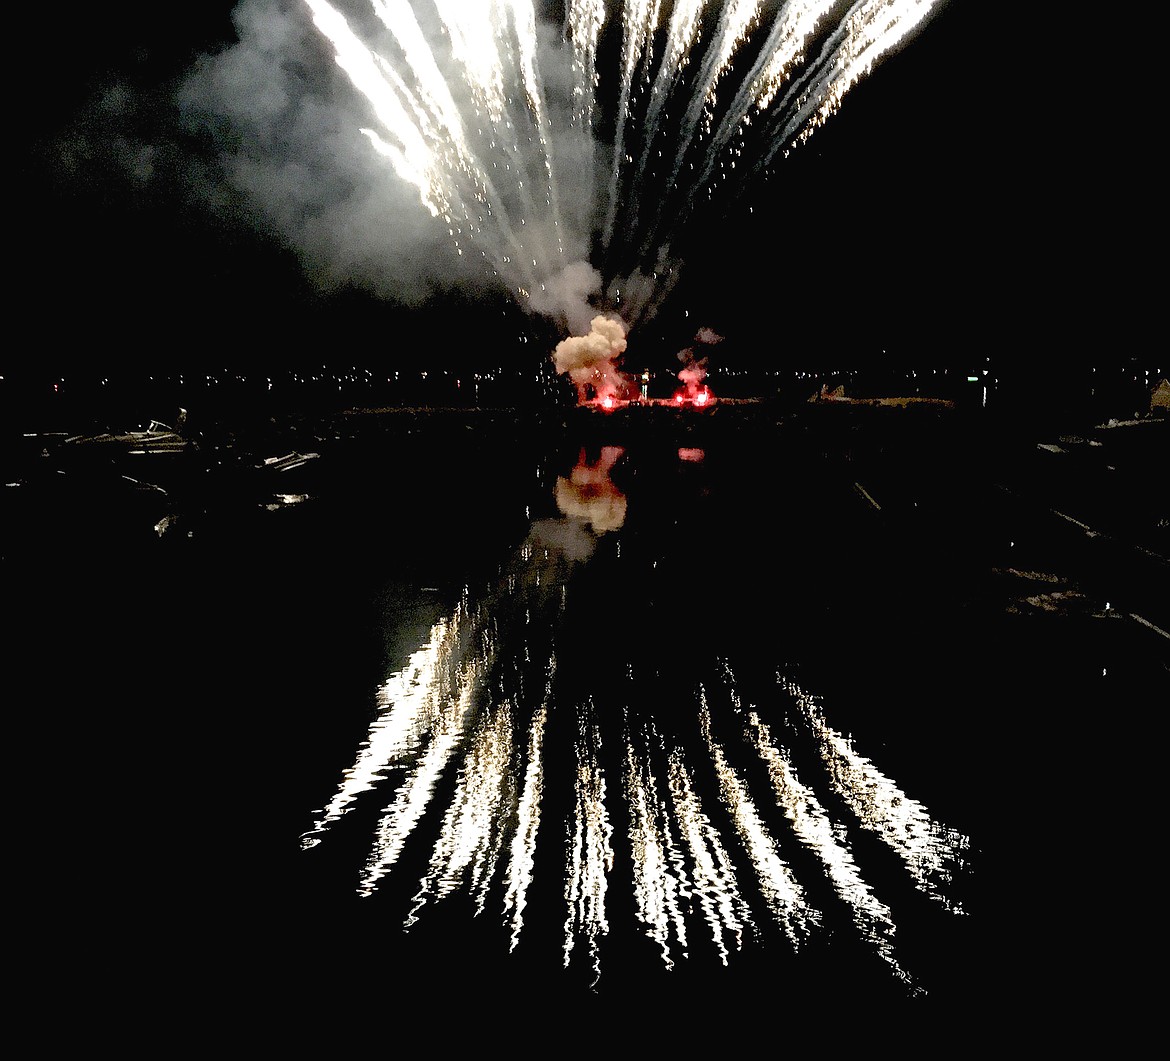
(267, 133)
(287, 129)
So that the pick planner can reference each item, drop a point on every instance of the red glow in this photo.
(696, 397)
(607, 402)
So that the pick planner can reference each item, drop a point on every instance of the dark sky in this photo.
(946, 206)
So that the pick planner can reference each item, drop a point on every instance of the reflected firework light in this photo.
(590, 495)
(724, 835)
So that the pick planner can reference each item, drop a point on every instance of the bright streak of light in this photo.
(583, 22)
(782, 892)
(639, 21)
(523, 850)
(524, 20)
(736, 22)
(472, 31)
(872, 29)
(814, 828)
(414, 795)
(590, 853)
(412, 157)
(660, 884)
(681, 38)
(406, 705)
(784, 50)
(932, 852)
(471, 835)
(713, 873)
(474, 120)
(428, 145)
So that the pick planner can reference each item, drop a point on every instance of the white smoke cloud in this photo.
(593, 361)
(290, 146)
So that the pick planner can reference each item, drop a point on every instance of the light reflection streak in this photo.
(522, 857)
(464, 717)
(590, 851)
(471, 835)
(713, 879)
(660, 882)
(932, 852)
(784, 896)
(814, 828)
(404, 702)
(413, 796)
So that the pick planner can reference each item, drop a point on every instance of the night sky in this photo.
(948, 206)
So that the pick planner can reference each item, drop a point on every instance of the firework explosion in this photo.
(564, 163)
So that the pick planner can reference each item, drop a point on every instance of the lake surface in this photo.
(464, 721)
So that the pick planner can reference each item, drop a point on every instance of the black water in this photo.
(772, 724)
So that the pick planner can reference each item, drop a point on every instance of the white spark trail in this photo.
(738, 20)
(477, 35)
(524, 20)
(584, 20)
(681, 40)
(472, 106)
(412, 158)
(783, 52)
(429, 146)
(472, 30)
(639, 21)
(872, 29)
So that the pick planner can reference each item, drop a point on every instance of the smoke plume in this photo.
(593, 361)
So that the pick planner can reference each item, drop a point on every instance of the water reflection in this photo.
(680, 790)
